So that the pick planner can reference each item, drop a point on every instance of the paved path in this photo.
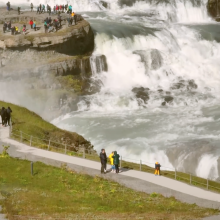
(137, 180)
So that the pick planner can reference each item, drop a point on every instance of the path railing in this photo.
(125, 163)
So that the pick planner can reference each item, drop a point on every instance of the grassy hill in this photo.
(29, 123)
(63, 194)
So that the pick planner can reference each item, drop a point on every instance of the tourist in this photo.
(112, 161)
(34, 25)
(43, 8)
(31, 23)
(8, 6)
(24, 29)
(116, 161)
(3, 115)
(19, 10)
(9, 26)
(49, 20)
(13, 30)
(157, 169)
(59, 20)
(5, 27)
(16, 29)
(32, 6)
(8, 116)
(103, 159)
(45, 26)
(40, 8)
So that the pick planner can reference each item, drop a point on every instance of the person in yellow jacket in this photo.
(112, 161)
(157, 169)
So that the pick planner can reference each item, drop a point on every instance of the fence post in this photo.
(21, 136)
(32, 170)
(190, 179)
(30, 140)
(65, 148)
(175, 173)
(140, 164)
(49, 145)
(207, 183)
(84, 156)
(121, 162)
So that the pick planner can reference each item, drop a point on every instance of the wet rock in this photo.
(168, 99)
(191, 85)
(98, 63)
(160, 90)
(163, 103)
(141, 93)
(104, 4)
(178, 86)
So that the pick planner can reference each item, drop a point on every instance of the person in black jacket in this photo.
(8, 116)
(3, 115)
(103, 159)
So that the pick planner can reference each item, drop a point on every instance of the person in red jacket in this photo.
(31, 23)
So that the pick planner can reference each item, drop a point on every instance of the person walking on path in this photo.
(19, 10)
(3, 115)
(103, 159)
(8, 116)
(157, 169)
(116, 161)
(112, 161)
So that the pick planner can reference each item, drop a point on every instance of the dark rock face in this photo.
(184, 85)
(104, 4)
(141, 93)
(212, 8)
(98, 63)
(168, 99)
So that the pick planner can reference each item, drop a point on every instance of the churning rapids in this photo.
(171, 48)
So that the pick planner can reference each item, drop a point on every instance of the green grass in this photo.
(30, 123)
(60, 192)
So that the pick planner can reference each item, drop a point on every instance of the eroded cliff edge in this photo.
(51, 70)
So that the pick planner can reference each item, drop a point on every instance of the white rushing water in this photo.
(172, 49)
(156, 46)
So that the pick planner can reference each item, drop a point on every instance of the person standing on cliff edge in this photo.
(32, 6)
(103, 159)
(8, 6)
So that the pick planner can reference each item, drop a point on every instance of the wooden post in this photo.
(49, 145)
(207, 183)
(140, 164)
(84, 156)
(21, 136)
(190, 179)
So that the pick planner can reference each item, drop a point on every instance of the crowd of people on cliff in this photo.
(114, 159)
(50, 24)
(6, 116)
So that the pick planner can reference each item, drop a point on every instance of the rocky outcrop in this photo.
(141, 93)
(213, 7)
(74, 40)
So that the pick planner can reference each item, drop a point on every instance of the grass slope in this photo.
(30, 123)
(59, 192)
